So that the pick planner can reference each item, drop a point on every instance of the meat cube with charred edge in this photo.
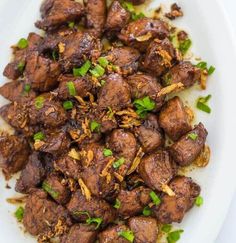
(173, 208)
(189, 146)
(174, 119)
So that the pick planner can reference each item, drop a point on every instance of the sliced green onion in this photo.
(136, 16)
(19, 213)
(147, 211)
(71, 88)
(118, 163)
(39, 102)
(22, 43)
(98, 71)
(103, 61)
(95, 126)
(54, 194)
(27, 88)
(156, 200)
(82, 71)
(143, 106)
(71, 25)
(117, 204)
(21, 66)
(202, 65)
(39, 136)
(107, 152)
(184, 46)
(192, 136)
(97, 221)
(128, 235)
(67, 105)
(202, 104)
(128, 6)
(211, 70)
(166, 228)
(102, 82)
(199, 201)
(174, 236)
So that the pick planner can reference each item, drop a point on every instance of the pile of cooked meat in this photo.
(97, 139)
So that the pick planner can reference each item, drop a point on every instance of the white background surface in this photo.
(227, 233)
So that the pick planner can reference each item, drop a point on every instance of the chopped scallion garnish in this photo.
(97, 221)
(117, 204)
(143, 106)
(107, 152)
(147, 211)
(184, 46)
(166, 228)
(67, 105)
(71, 25)
(19, 213)
(21, 66)
(203, 66)
(27, 88)
(103, 61)
(71, 88)
(46, 187)
(128, 235)
(39, 136)
(156, 200)
(118, 163)
(97, 71)
(95, 126)
(174, 236)
(202, 104)
(82, 71)
(39, 102)
(22, 43)
(199, 201)
(192, 136)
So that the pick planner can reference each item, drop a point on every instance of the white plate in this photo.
(211, 34)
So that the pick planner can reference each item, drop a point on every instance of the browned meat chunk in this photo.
(41, 215)
(58, 12)
(117, 18)
(174, 119)
(54, 186)
(133, 202)
(188, 147)
(173, 208)
(32, 175)
(160, 56)
(68, 166)
(94, 207)
(43, 110)
(93, 175)
(126, 58)
(115, 93)
(111, 234)
(142, 85)
(14, 152)
(144, 228)
(96, 16)
(17, 91)
(12, 70)
(149, 134)
(124, 145)
(141, 32)
(80, 233)
(183, 72)
(157, 169)
(175, 12)
(42, 73)
(82, 87)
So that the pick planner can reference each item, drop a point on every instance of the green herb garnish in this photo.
(203, 66)
(71, 88)
(166, 228)
(156, 200)
(107, 152)
(97, 71)
(27, 88)
(90, 220)
(68, 105)
(117, 204)
(22, 43)
(143, 106)
(192, 136)
(199, 201)
(184, 46)
(118, 163)
(128, 235)
(211, 70)
(103, 61)
(71, 25)
(39, 136)
(21, 66)
(147, 211)
(102, 82)
(174, 236)
(95, 126)
(19, 213)
(55, 55)
(54, 194)
(136, 16)
(202, 104)
(128, 6)
(39, 102)
(82, 71)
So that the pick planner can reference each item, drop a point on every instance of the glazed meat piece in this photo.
(141, 32)
(82, 87)
(56, 143)
(77, 48)
(32, 175)
(145, 229)
(68, 166)
(160, 56)
(126, 58)
(149, 134)
(16, 68)
(189, 146)
(117, 18)
(173, 208)
(14, 152)
(133, 202)
(54, 186)
(114, 94)
(142, 85)
(96, 208)
(42, 73)
(124, 145)
(41, 214)
(18, 91)
(58, 12)
(111, 234)
(95, 16)
(80, 233)
(184, 72)
(44, 110)
(174, 119)
(95, 163)
(157, 169)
